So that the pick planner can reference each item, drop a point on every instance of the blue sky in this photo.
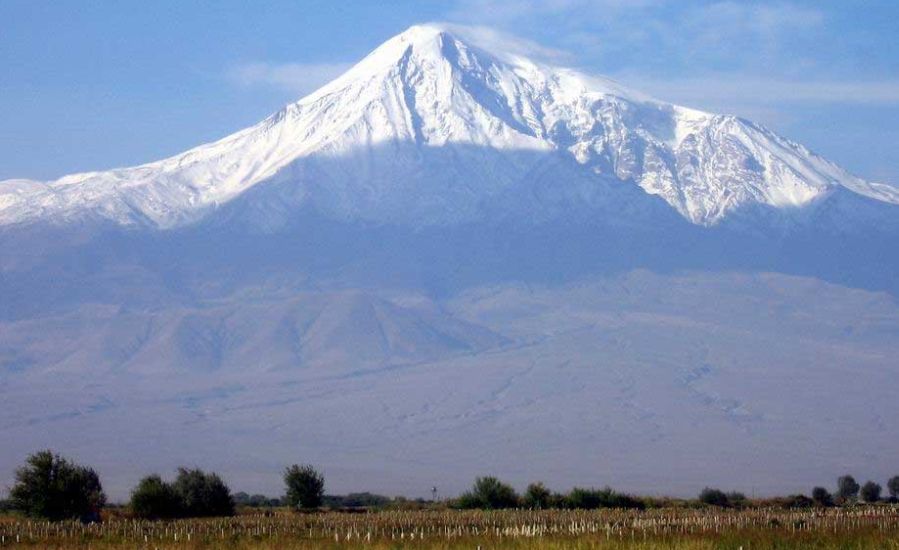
(88, 85)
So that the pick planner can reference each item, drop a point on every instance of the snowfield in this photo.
(428, 88)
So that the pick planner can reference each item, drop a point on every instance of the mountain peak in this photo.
(423, 33)
(425, 39)
(443, 125)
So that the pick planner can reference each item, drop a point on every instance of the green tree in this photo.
(50, 487)
(714, 497)
(583, 499)
(305, 487)
(893, 486)
(589, 499)
(202, 494)
(489, 493)
(537, 496)
(737, 499)
(822, 496)
(847, 487)
(153, 498)
(870, 491)
(798, 501)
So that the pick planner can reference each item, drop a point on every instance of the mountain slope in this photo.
(363, 148)
(622, 381)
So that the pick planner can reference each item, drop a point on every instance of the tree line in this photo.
(52, 487)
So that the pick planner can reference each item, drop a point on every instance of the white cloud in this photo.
(682, 32)
(723, 89)
(495, 10)
(714, 26)
(498, 41)
(297, 78)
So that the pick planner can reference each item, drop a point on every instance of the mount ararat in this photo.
(453, 260)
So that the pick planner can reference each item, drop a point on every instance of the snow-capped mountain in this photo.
(452, 243)
(432, 128)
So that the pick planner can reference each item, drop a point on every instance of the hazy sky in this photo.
(87, 85)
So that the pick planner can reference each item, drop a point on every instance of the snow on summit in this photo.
(435, 124)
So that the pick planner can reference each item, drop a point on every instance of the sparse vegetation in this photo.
(855, 528)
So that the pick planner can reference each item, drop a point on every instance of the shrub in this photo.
(202, 494)
(356, 500)
(537, 496)
(468, 501)
(583, 499)
(822, 496)
(254, 501)
(893, 486)
(305, 487)
(153, 498)
(557, 500)
(51, 487)
(870, 491)
(590, 499)
(713, 497)
(194, 493)
(847, 487)
(488, 493)
(798, 501)
(737, 499)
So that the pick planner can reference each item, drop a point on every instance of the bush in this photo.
(621, 500)
(194, 493)
(798, 501)
(488, 493)
(822, 496)
(558, 501)
(590, 499)
(847, 487)
(893, 486)
(356, 500)
(713, 497)
(153, 498)
(737, 499)
(537, 496)
(255, 501)
(202, 494)
(870, 492)
(305, 487)
(51, 487)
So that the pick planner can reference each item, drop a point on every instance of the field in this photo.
(695, 529)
